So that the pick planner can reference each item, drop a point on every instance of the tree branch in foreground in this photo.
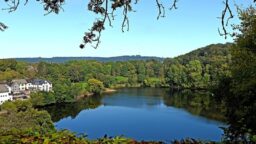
(225, 18)
(2, 26)
(101, 7)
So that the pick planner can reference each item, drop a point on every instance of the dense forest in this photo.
(199, 69)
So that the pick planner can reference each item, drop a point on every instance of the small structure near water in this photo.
(21, 88)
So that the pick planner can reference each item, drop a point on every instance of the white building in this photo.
(18, 85)
(29, 85)
(39, 85)
(5, 93)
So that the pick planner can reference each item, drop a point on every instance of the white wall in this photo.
(44, 87)
(22, 87)
(4, 97)
(28, 85)
(47, 87)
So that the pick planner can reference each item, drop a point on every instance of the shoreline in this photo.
(109, 90)
(105, 91)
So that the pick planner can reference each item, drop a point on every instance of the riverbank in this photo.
(89, 94)
(109, 90)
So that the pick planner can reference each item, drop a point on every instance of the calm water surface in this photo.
(143, 114)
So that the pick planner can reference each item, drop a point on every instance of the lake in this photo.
(143, 114)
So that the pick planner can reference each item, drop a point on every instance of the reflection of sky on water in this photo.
(135, 114)
(132, 101)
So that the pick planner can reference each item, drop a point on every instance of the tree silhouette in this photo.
(106, 9)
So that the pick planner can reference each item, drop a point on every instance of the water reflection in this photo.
(61, 111)
(143, 114)
(196, 102)
(136, 98)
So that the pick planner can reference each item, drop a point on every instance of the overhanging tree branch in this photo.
(174, 5)
(161, 9)
(225, 18)
(101, 7)
(3, 26)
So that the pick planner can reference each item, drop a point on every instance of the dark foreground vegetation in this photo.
(229, 70)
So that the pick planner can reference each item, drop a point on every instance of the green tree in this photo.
(194, 70)
(42, 98)
(8, 64)
(9, 75)
(79, 89)
(240, 88)
(141, 71)
(22, 117)
(95, 86)
(62, 92)
(153, 82)
(149, 69)
(176, 76)
(42, 69)
(115, 69)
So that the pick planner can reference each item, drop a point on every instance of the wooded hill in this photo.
(199, 69)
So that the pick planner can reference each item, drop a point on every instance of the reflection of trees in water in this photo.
(136, 97)
(196, 102)
(152, 92)
(61, 111)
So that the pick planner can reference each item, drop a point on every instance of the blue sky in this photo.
(31, 34)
